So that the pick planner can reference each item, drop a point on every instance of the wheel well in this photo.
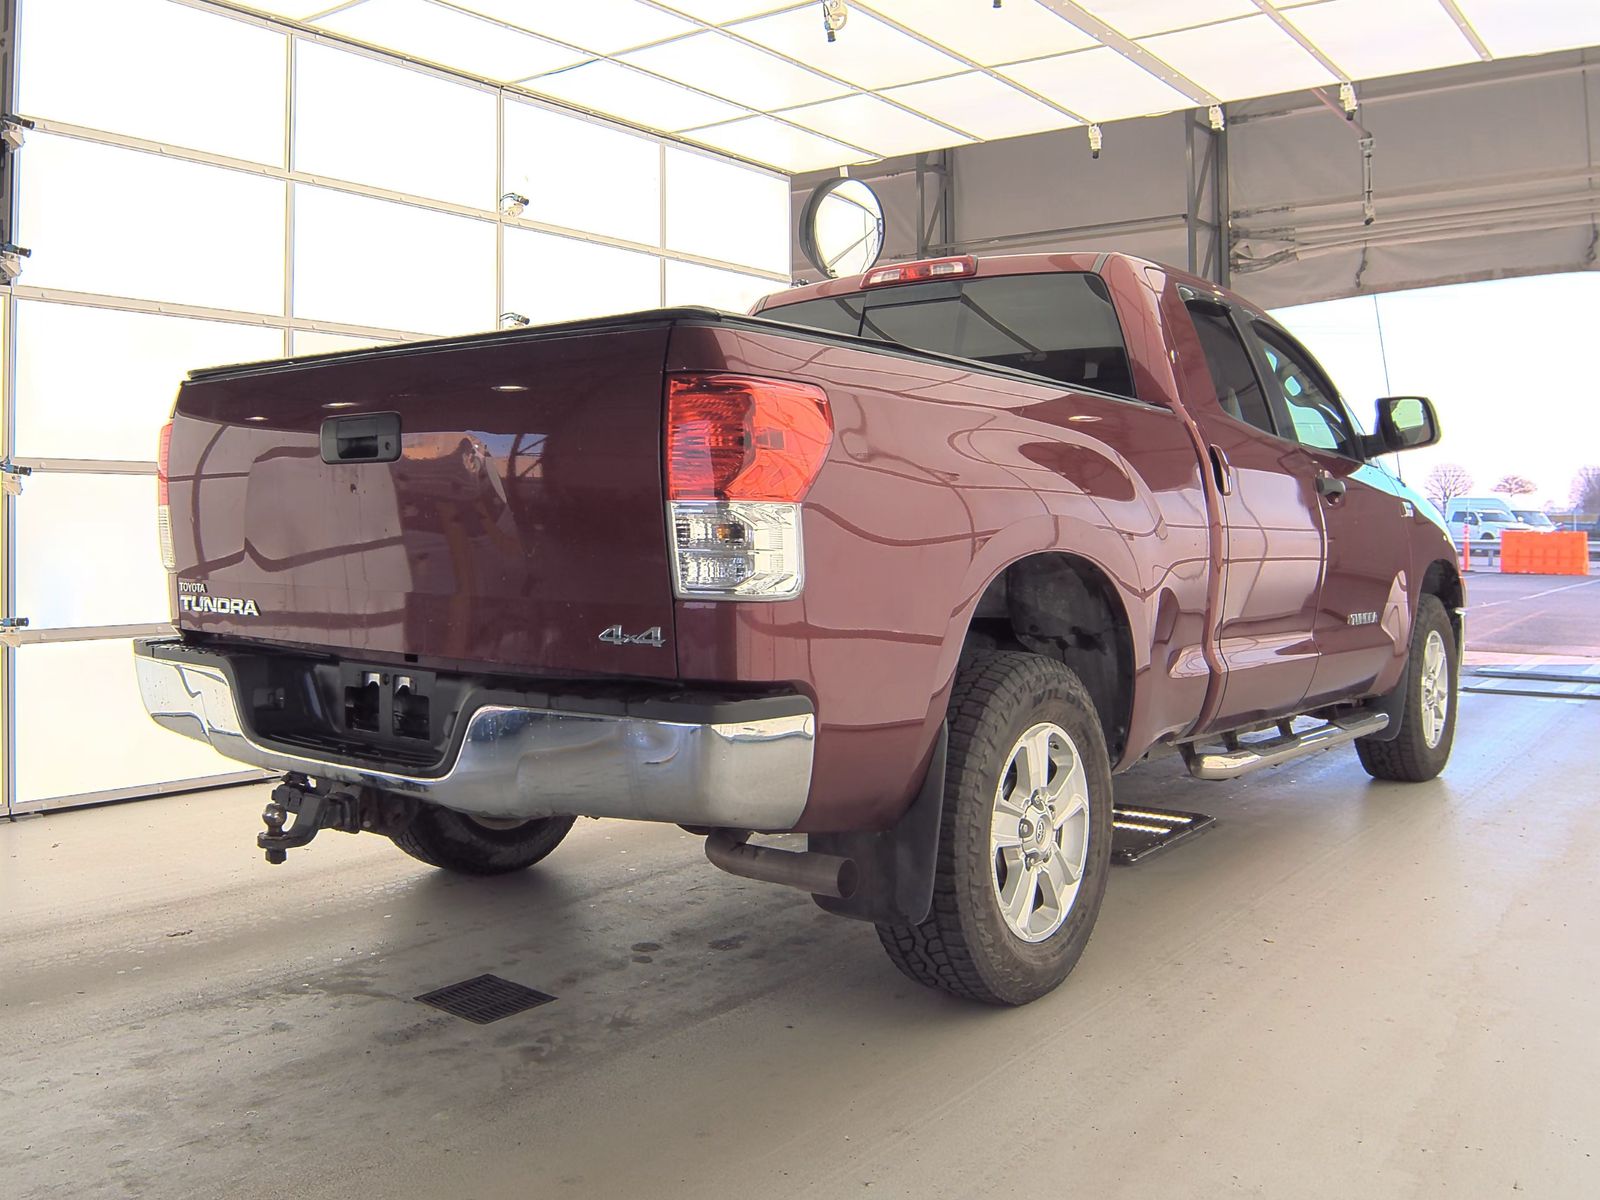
(1443, 580)
(1065, 608)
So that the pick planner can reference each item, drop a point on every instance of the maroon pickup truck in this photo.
(912, 563)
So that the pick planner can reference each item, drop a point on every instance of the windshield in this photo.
(1535, 518)
(1060, 325)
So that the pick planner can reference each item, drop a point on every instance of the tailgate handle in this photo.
(369, 437)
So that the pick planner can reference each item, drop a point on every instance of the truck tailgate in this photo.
(522, 519)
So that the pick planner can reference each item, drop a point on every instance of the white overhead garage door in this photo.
(201, 187)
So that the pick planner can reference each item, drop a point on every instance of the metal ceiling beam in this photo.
(1092, 25)
(1471, 34)
(1284, 23)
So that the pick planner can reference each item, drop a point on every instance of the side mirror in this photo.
(1406, 423)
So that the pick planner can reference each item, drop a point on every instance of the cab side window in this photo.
(1238, 390)
(1317, 418)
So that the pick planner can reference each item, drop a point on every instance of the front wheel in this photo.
(1428, 720)
(1025, 837)
(469, 845)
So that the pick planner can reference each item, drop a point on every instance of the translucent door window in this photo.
(391, 266)
(87, 552)
(583, 175)
(155, 70)
(67, 688)
(398, 128)
(552, 278)
(126, 223)
(99, 383)
(692, 284)
(719, 209)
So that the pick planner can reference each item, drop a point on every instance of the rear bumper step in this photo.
(523, 762)
(1245, 757)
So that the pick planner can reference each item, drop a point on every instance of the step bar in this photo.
(1241, 758)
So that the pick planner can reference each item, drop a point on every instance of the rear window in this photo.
(1061, 326)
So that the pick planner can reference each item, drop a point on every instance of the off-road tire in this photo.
(453, 841)
(964, 946)
(1408, 758)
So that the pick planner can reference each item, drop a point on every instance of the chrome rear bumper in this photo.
(530, 762)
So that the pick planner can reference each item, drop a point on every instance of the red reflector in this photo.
(163, 452)
(731, 437)
(917, 272)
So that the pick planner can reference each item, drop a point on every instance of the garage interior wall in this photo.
(200, 186)
(1480, 171)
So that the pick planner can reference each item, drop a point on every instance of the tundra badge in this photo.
(650, 637)
(193, 598)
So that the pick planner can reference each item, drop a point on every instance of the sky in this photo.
(1508, 363)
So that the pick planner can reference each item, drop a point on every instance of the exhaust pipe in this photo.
(819, 874)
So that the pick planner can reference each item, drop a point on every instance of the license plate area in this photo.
(388, 703)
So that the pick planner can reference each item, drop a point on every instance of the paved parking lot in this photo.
(1345, 989)
(1533, 614)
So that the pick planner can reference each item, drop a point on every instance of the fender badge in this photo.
(650, 637)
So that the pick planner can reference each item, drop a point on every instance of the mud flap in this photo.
(897, 865)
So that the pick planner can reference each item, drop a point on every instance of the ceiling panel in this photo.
(1418, 34)
(986, 35)
(618, 91)
(1100, 85)
(1511, 27)
(1239, 59)
(875, 124)
(783, 146)
(867, 52)
(985, 107)
(741, 73)
(603, 26)
(720, 12)
(449, 38)
(1141, 18)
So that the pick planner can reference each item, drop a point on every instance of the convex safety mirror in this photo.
(1407, 423)
(841, 229)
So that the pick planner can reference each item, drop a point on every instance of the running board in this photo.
(1244, 757)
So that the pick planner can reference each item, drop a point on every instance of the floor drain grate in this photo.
(484, 999)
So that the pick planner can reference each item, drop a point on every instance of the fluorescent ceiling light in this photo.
(450, 38)
(1140, 18)
(738, 72)
(986, 35)
(985, 107)
(603, 26)
(875, 124)
(1100, 85)
(868, 53)
(1417, 35)
(1512, 27)
(1239, 59)
(617, 91)
(764, 140)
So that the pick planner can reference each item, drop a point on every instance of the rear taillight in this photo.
(741, 453)
(169, 558)
(919, 272)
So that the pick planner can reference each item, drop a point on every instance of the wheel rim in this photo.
(499, 824)
(1435, 689)
(1039, 832)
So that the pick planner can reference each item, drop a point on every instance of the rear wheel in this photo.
(1025, 839)
(1428, 720)
(472, 845)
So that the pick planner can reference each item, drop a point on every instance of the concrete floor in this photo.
(1344, 990)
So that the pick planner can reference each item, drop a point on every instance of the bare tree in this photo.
(1516, 485)
(1446, 482)
(1586, 490)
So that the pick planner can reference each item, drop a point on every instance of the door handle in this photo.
(1330, 487)
(367, 437)
(1221, 469)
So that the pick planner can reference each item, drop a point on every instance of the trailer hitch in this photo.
(316, 807)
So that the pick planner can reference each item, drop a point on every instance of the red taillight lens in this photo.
(163, 453)
(732, 437)
(917, 272)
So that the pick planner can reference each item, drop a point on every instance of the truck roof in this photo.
(1014, 264)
